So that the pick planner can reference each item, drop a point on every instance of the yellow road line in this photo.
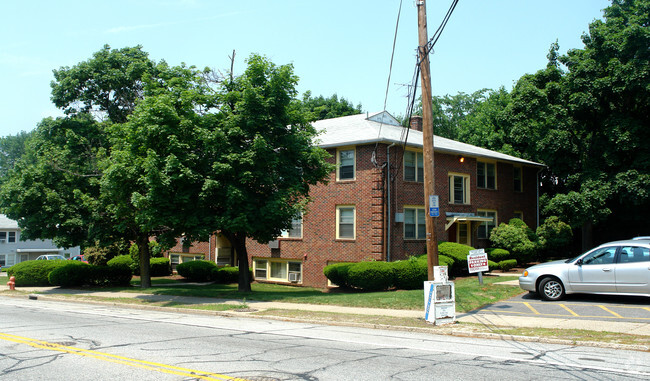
(568, 310)
(158, 367)
(582, 316)
(531, 308)
(611, 312)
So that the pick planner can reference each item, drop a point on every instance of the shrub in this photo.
(554, 236)
(493, 265)
(96, 255)
(228, 274)
(498, 255)
(160, 267)
(507, 264)
(73, 274)
(34, 273)
(410, 274)
(196, 271)
(110, 276)
(125, 261)
(516, 238)
(337, 273)
(371, 276)
(444, 260)
(458, 252)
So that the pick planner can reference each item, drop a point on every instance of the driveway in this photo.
(586, 307)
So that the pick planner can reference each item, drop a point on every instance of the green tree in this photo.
(12, 148)
(326, 108)
(585, 116)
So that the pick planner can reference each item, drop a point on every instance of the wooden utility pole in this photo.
(427, 136)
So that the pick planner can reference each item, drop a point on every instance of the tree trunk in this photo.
(143, 249)
(238, 240)
(587, 236)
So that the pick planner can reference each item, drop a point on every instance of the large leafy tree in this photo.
(586, 117)
(326, 108)
(12, 148)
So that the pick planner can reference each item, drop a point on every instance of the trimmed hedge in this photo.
(458, 252)
(196, 271)
(337, 273)
(227, 274)
(508, 264)
(34, 273)
(371, 276)
(73, 274)
(410, 274)
(499, 255)
(157, 266)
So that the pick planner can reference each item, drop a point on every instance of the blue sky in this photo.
(336, 47)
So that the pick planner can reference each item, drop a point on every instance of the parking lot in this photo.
(587, 307)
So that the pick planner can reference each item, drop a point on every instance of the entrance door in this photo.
(463, 233)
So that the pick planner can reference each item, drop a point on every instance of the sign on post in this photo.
(477, 262)
(434, 208)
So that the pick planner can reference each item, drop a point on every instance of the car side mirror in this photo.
(579, 262)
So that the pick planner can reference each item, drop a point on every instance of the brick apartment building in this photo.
(373, 206)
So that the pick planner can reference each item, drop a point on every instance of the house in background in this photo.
(13, 250)
(373, 205)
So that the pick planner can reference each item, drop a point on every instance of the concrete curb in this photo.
(452, 329)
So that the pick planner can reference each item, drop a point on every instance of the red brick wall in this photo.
(319, 246)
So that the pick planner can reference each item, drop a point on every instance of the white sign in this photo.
(477, 261)
(434, 209)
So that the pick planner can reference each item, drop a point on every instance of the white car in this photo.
(619, 267)
(50, 257)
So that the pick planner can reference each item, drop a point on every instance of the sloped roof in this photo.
(7, 223)
(382, 127)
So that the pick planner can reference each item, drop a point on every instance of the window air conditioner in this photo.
(294, 277)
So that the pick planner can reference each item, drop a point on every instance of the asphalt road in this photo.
(47, 340)
(605, 308)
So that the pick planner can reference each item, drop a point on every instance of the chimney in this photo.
(416, 123)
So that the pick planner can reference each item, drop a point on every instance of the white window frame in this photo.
(466, 188)
(11, 237)
(296, 225)
(482, 181)
(266, 265)
(418, 166)
(485, 228)
(338, 221)
(339, 164)
(418, 223)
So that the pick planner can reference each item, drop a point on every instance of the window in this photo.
(413, 166)
(632, 254)
(458, 188)
(603, 256)
(485, 228)
(3, 237)
(486, 175)
(519, 215)
(11, 237)
(176, 259)
(516, 176)
(296, 228)
(414, 223)
(345, 218)
(278, 270)
(345, 166)
(260, 268)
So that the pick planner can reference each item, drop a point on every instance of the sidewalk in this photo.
(483, 318)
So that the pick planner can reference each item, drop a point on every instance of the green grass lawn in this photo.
(469, 294)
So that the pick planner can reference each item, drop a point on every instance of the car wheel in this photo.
(551, 289)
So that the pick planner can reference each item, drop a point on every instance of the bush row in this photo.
(157, 266)
(407, 274)
(68, 274)
(207, 271)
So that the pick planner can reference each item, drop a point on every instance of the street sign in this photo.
(434, 208)
(477, 261)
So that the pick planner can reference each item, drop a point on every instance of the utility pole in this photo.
(427, 137)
